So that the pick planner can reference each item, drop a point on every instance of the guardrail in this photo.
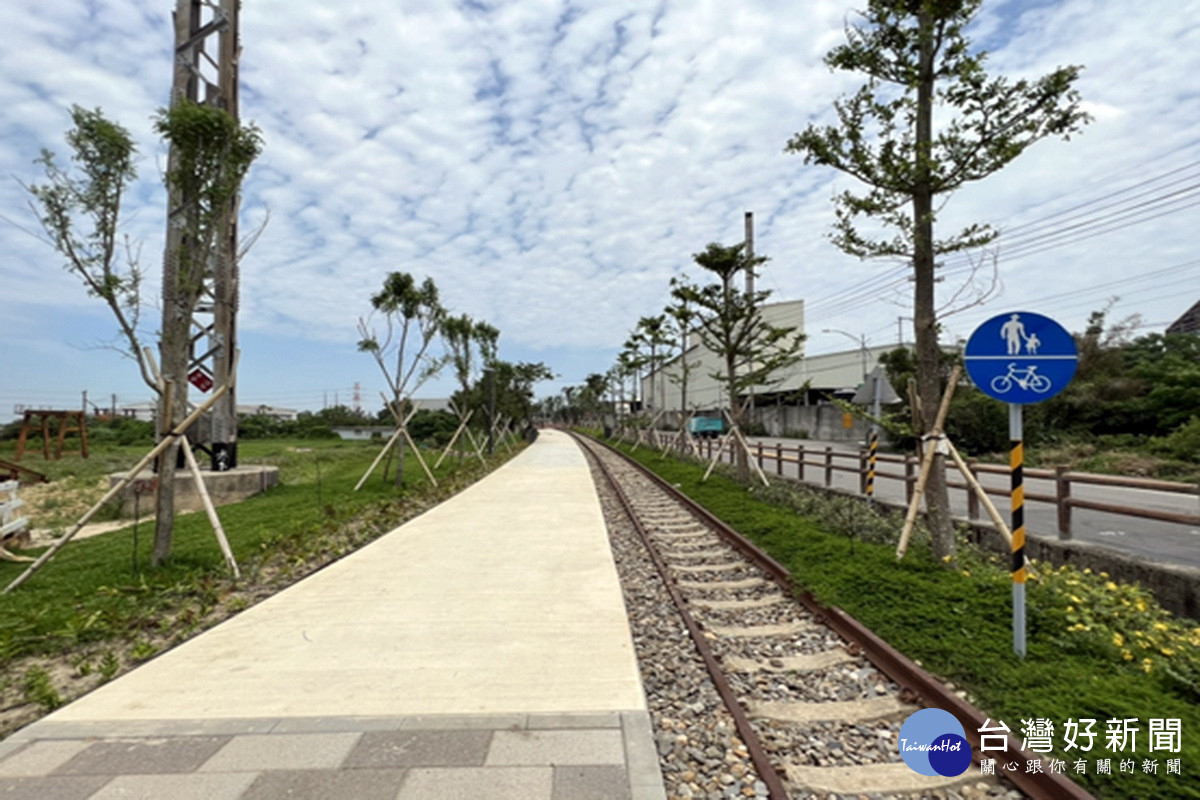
(826, 460)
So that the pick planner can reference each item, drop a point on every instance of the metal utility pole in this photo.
(750, 252)
(207, 50)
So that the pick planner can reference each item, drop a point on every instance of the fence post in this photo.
(1062, 495)
(909, 479)
(800, 462)
(972, 498)
(779, 458)
(828, 466)
(758, 453)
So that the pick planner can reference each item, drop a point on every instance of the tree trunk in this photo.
(937, 497)
(174, 351)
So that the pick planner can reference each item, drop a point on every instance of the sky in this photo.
(552, 165)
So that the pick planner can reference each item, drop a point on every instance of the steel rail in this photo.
(901, 669)
(758, 754)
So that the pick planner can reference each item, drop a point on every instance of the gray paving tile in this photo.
(67, 788)
(498, 783)
(223, 786)
(356, 784)
(641, 757)
(144, 756)
(591, 783)
(338, 724)
(465, 722)
(420, 749)
(40, 758)
(282, 751)
(560, 721)
(557, 747)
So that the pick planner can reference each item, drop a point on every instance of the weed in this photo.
(109, 665)
(39, 689)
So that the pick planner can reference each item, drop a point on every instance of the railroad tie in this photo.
(752, 631)
(710, 568)
(685, 554)
(722, 586)
(738, 605)
(870, 779)
(849, 711)
(808, 662)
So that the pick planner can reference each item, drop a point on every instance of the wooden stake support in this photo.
(167, 440)
(209, 509)
(932, 441)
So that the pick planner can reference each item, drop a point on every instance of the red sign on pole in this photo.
(199, 378)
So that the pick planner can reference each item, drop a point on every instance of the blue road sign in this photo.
(1021, 357)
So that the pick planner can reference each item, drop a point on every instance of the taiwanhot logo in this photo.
(933, 742)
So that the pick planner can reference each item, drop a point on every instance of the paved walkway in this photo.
(479, 651)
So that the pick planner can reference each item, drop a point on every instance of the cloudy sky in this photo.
(551, 165)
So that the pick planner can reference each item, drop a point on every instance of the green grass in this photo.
(99, 593)
(956, 622)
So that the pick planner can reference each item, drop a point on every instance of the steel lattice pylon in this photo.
(205, 71)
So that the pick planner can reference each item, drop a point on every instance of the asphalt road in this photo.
(1166, 542)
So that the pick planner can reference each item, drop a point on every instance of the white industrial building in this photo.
(796, 402)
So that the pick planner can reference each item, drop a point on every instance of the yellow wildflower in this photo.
(1118, 640)
(1147, 664)
(1140, 604)
(1087, 570)
(1112, 587)
(1070, 609)
(1160, 626)
(1104, 575)
(1075, 599)
(1166, 651)
(1128, 656)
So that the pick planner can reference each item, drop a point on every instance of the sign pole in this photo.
(873, 444)
(1016, 434)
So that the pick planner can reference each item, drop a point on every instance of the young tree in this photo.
(81, 214)
(915, 57)
(683, 317)
(412, 318)
(733, 327)
(651, 335)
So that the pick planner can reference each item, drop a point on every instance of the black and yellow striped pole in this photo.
(873, 445)
(1016, 463)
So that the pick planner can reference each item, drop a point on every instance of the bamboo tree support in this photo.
(721, 443)
(976, 487)
(209, 509)
(478, 445)
(167, 440)
(390, 443)
(741, 440)
(408, 438)
(462, 426)
(933, 444)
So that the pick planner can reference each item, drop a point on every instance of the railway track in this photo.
(773, 696)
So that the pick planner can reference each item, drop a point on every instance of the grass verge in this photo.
(97, 609)
(1096, 650)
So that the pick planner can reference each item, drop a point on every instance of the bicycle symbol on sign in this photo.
(1027, 379)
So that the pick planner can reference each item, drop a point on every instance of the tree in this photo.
(733, 327)
(412, 318)
(683, 318)
(81, 215)
(652, 336)
(915, 57)
(211, 154)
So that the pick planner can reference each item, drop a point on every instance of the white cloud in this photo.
(552, 164)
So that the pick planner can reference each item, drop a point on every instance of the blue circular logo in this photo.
(933, 742)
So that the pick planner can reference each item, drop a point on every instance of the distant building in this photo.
(1189, 322)
(147, 412)
(363, 432)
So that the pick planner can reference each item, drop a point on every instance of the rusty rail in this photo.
(904, 671)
